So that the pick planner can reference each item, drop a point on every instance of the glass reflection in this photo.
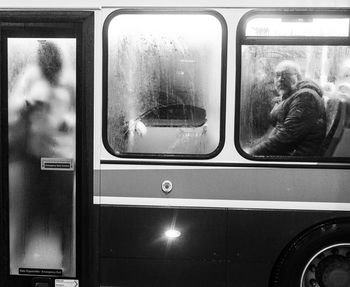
(41, 118)
(164, 77)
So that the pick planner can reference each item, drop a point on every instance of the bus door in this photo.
(43, 138)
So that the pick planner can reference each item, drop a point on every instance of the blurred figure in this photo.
(41, 124)
(343, 80)
(41, 109)
(298, 117)
(343, 89)
(344, 72)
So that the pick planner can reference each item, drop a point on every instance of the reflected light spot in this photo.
(172, 233)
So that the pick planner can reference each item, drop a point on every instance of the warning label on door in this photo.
(66, 283)
(50, 163)
(37, 271)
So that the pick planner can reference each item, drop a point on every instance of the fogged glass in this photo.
(164, 75)
(298, 26)
(326, 68)
(41, 119)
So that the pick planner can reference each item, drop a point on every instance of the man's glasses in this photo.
(284, 74)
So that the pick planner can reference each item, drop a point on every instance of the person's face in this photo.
(285, 80)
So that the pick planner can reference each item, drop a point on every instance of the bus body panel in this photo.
(269, 184)
(214, 248)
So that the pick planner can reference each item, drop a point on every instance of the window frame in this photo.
(222, 99)
(242, 39)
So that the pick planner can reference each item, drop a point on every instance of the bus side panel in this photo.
(135, 252)
(266, 184)
(257, 237)
(216, 247)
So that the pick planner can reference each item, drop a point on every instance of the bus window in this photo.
(293, 97)
(163, 84)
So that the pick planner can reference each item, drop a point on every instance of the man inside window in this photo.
(298, 117)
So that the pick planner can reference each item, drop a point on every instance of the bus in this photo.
(175, 143)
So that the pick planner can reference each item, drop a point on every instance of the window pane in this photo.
(41, 119)
(164, 76)
(294, 26)
(295, 100)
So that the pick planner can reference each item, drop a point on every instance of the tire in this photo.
(319, 257)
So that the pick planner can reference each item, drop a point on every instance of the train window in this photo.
(163, 83)
(294, 89)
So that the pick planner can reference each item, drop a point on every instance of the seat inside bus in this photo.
(335, 119)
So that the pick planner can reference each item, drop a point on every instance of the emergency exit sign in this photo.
(48, 163)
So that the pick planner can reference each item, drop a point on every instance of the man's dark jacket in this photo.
(299, 122)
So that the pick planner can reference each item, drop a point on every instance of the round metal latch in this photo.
(167, 186)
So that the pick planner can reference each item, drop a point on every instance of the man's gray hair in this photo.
(290, 66)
